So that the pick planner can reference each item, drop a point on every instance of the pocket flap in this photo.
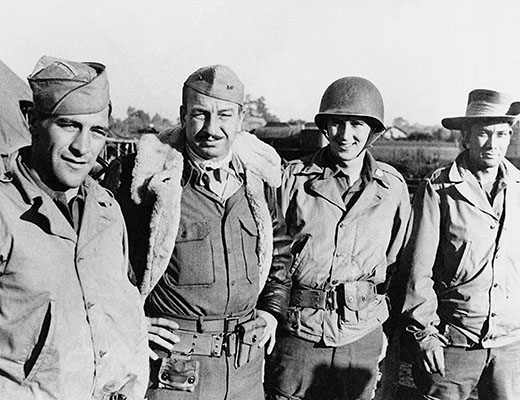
(193, 231)
(357, 295)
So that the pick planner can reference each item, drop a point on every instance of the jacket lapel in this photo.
(372, 195)
(327, 189)
(95, 219)
(467, 186)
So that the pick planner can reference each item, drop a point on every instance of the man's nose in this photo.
(345, 132)
(212, 125)
(81, 142)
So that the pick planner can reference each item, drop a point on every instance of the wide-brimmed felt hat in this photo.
(485, 105)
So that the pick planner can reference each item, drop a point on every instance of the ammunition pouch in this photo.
(249, 335)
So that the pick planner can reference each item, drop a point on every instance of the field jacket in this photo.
(150, 189)
(71, 323)
(463, 262)
(334, 246)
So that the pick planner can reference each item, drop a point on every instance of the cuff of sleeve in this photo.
(428, 337)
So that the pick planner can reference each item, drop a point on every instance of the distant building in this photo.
(394, 133)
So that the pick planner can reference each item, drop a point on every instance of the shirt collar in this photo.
(31, 174)
(369, 172)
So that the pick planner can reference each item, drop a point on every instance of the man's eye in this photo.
(198, 115)
(356, 123)
(100, 132)
(67, 125)
(225, 115)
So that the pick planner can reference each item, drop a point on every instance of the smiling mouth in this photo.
(76, 164)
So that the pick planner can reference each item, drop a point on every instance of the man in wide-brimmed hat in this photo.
(462, 259)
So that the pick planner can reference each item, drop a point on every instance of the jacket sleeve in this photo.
(274, 298)
(418, 260)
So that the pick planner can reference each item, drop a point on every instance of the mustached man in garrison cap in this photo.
(347, 213)
(71, 322)
(207, 244)
(462, 258)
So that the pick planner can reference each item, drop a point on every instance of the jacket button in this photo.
(350, 299)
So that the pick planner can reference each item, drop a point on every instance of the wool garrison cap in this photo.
(217, 81)
(62, 87)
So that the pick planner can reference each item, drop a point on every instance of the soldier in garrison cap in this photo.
(347, 214)
(207, 244)
(462, 261)
(71, 321)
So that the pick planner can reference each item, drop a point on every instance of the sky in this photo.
(424, 56)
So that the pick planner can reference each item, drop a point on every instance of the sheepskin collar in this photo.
(157, 177)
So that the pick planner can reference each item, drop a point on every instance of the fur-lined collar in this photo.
(157, 176)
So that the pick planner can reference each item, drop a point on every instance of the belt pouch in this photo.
(356, 296)
(249, 334)
(178, 372)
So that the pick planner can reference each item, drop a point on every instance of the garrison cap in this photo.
(217, 81)
(62, 87)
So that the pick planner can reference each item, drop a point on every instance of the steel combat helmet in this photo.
(352, 96)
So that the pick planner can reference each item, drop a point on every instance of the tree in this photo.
(138, 122)
(258, 108)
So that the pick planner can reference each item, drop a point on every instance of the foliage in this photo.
(419, 132)
(417, 159)
(138, 122)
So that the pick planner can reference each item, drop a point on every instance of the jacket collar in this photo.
(157, 178)
(466, 183)
(41, 208)
(321, 170)
(323, 166)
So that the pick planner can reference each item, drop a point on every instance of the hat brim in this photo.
(321, 120)
(457, 123)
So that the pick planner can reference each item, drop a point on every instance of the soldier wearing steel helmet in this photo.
(347, 213)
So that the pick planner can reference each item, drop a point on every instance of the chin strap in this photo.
(371, 139)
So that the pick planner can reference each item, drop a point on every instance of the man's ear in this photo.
(32, 118)
(182, 113)
(464, 138)
(241, 115)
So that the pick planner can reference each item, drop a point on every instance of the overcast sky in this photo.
(424, 56)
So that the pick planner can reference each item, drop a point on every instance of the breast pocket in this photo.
(249, 234)
(194, 255)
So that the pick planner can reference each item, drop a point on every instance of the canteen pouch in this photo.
(249, 334)
(178, 372)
